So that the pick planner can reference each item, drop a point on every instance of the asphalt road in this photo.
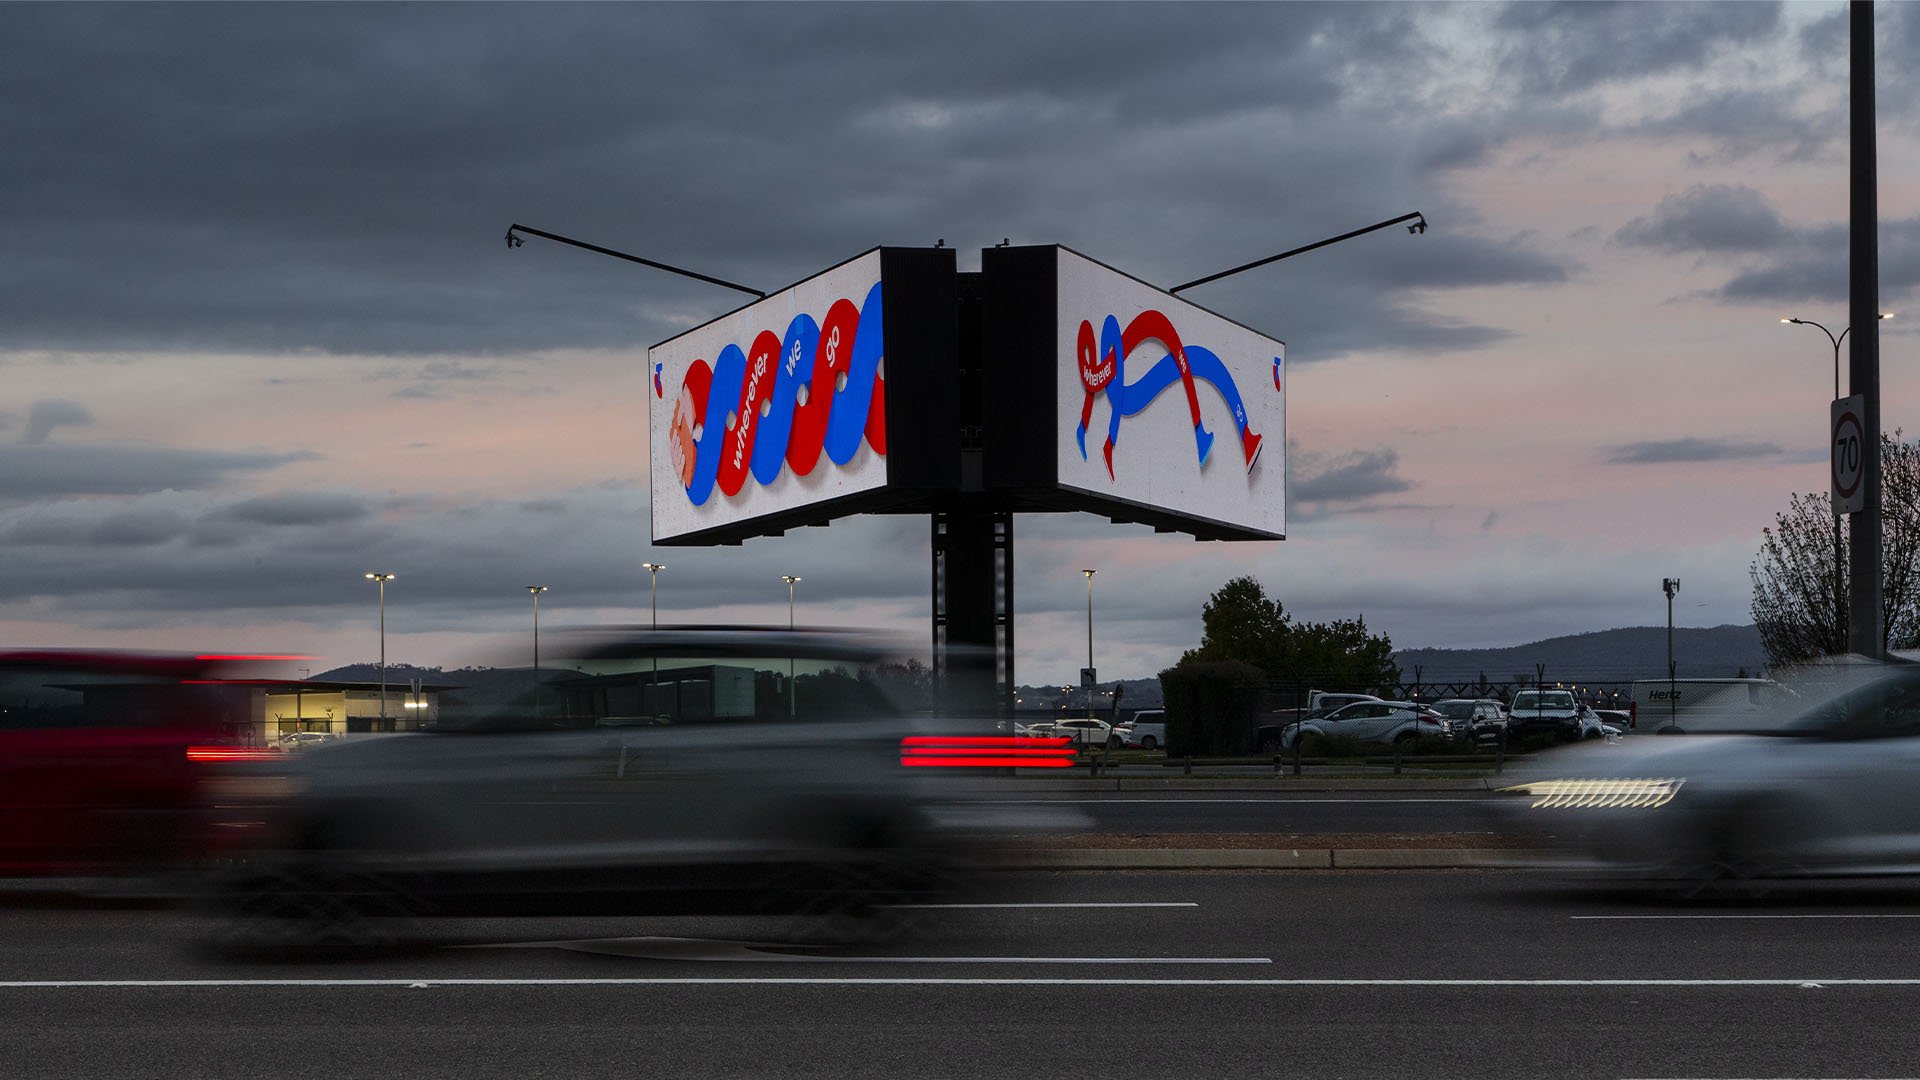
(1274, 812)
(1201, 974)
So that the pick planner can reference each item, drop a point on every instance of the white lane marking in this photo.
(1656, 918)
(429, 982)
(1069, 904)
(709, 949)
(1272, 800)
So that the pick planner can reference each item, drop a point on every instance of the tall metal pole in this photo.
(791, 580)
(1090, 677)
(654, 569)
(1865, 632)
(536, 590)
(1670, 586)
(381, 580)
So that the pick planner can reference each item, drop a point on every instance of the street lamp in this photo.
(653, 573)
(791, 581)
(1836, 343)
(654, 569)
(1670, 586)
(1839, 586)
(536, 590)
(1090, 675)
(381, 580)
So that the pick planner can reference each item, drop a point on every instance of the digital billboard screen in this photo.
(1158, 410)
(775, 414)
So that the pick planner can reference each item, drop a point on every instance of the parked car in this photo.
(1616, 718)
(1819, 785)
(1089, 733)
(1147, 730)
(1375, 721)
(772, 781)
(1551, 712)
(1474, 718)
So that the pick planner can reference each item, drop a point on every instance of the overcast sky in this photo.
(260, 333)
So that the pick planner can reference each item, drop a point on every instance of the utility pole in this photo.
(1670, 586)
(1865, 630)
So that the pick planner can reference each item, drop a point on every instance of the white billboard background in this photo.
(1156, 454)
(675, 512)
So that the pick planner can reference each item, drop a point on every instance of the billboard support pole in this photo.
(1419, 226)
(973, 608)
(514, 242)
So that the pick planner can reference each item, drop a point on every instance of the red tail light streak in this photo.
(985, 751)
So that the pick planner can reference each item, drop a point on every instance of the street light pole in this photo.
(1839, 641)
(791, 581)
(1090, 678)
(654, 569)
(381, 580)
(536, 590)
(1670, 586)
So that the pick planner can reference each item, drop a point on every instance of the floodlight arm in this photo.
(514, 242)
(1418, 226)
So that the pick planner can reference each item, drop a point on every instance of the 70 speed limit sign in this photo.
(1849, 455)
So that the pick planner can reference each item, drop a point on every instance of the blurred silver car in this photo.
(693, 771)
(1824, 786)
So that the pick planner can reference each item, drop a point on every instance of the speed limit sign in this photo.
(1849, 455)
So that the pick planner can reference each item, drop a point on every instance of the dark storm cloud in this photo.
(299, 508)
(301, 556)
(1816, 269)
(50, 469)
(1669, 451)
(1566, 47)
(1772, 259)
(1709, 218)
(339, 177)
(53, 413)
(1739, 123)
(1358, 475)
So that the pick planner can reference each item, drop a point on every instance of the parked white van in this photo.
(1710, 703)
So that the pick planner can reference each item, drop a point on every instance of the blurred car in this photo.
(1384, 722)
(1089, 733)
(1474, 718)
(677, 771)
(1823, 785)
(106, 758)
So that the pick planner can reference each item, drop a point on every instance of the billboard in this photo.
(775, 415)
(1152, 409)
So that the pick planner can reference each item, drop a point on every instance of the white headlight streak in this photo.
(1618, 792)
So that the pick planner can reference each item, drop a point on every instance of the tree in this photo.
(1800, 602)
(1240, 622)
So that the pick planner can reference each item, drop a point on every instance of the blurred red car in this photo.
(104, 757)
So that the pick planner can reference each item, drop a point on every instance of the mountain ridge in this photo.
(1621, 654)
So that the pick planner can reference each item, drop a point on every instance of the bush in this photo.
(1211, 706)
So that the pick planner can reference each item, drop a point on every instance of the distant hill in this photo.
(1634, 652)
(472, 686)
